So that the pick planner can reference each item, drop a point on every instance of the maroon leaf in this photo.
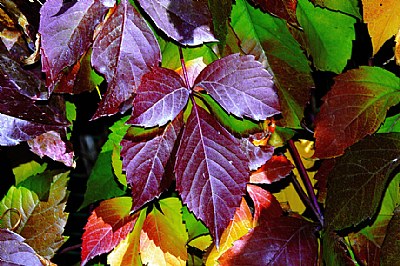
(285, 9)
(145, 161)
(391, 245)
(186, 21)
(124, 50)
(257, 155)
(365, 250)
(65, 36)
(275, 169)
(266, 206)
(211, 171)
(14, 251)
(322, 178)
(160, 98)
(282, 241)
(241, 85)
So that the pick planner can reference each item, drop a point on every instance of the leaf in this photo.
(242, 222)
(187, 22)
(65, 36)
(107, 226)
(145, 163)
(39, 184)
(334, 250)
(284, 9)
(194, 227)
(283, 241)
(329, 36)
(266, 36)
(14, 251)
(348, 115)
(163, 238)
(391, 124)
(275, 169)
(124, 50)
(257, 155)
(321, 176)
(237, 77)
(366, 251)
(220, 11)
(382, 20)
(211, 171)
(397, 48)
(358, 181)
(161, 96)
(350, 7)
(391, 245)
(25, 170)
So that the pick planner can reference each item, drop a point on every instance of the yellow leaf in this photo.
(201, 242)
(397, 49)
(383, 20)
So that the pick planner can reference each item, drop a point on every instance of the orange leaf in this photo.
(397, 49)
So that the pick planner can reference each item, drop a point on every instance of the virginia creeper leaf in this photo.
(25, 170)
(282, 241)
(193, 69)
(397, 48)
(334, 250)
(391, 245)
(14, 251)
(220, 11)
(39, 183)
(350, 7)
(211, 171)
(241, 86)
(382, 20)
(257, 155)
(187, 22)
(348, 115)
(329, 36)
(277, 168)
(145, 162)
(194, 227)
(66, 36)
(391, 124)
(124, 50)
(285, 9)
(161, 96)
(359, 178)
(366, 251)
(107, 226)
(163, 238)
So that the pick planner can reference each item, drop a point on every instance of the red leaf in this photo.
(106, 227)
(160, 98)
(275, 169)
(124, 50)
(186, 21)
(257, 155)
(145, 162)
(322, 178)
(211, 171)
(285, 9)
(366, 251)
(242, 86)
(282, 241)
(66, 34)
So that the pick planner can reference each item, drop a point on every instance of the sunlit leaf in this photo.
(397, 48)
(194, 227)
(285, 9)
(350, 7)
(275, 169)
(25, 170)
(391, 124)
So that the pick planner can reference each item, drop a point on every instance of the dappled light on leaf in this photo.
(273, 170)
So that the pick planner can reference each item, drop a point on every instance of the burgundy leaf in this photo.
(65, 36)
(282, 241)
(186, 21)
(365, 250)
(275, 169)
(266, 206)
(211, 171)
(14, 251)
(242, 86)
(285, 9)
(321, 176)
(257, 155)
(145, 162)
(160, 98)
(124, 50)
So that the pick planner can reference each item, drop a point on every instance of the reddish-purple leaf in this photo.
(285, 9)
(211, 171)
(257, 155)
(391, 245)
(275, 169)
(124, 50)
(282, 241)
(145, 161)
(365, 250)
(321, 176)
(266, 206)
(242, 86)
(160, 97)
(186, 21)
(65, 36)
(106, 227)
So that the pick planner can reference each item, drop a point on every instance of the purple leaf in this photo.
(257, 155)
(241, 86)
(124, 50)
(65, 36)
(211, 171)
(160, 98)
(14, 251)
(186, 21)
(145, 162)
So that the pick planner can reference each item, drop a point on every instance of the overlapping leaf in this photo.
(364, 249)
(350, 7)
(123, 51)
(211, 171)
(160, 97)
(257, 155)
(334, 250)
(66, 34)
(391, 246)
(275, 169)
(187, 22)
(145, 161)
(285, 9)
(355, 107)
(106, 227)
(241, 86)
(220, 11)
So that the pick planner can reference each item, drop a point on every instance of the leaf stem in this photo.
(184, 68)
(306, 180)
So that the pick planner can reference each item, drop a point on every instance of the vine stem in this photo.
(307, 182)
(185, 74)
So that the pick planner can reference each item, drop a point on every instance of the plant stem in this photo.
(306, 180)
(184, 68)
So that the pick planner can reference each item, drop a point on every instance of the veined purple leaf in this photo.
(160, 98)
(257, 155)
(186, 21)
(124, 50)
(145, 162)
(241, 86)
(211, 171)
(66, 35)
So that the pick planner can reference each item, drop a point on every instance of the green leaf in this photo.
(194, 227)
(349, 7)
(220, 11)
(269, 40)
(25, 170)
(391, 246)
(329, 36)
(40, 184)
(391, 124)
(334, 252)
